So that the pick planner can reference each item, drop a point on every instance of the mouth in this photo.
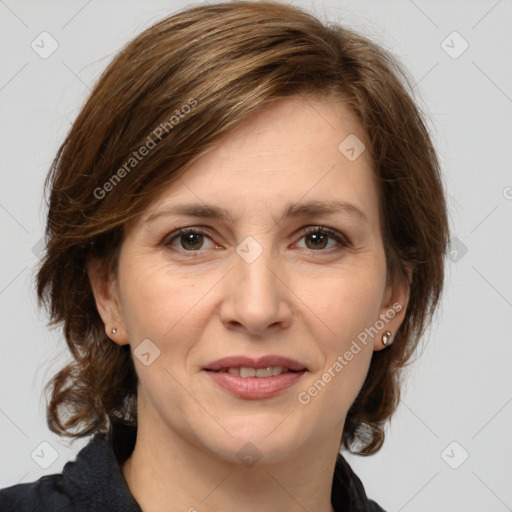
(246, 371)
(264, 366)
(259, 378)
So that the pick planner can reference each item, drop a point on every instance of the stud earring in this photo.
(386, 339)
(114, 330)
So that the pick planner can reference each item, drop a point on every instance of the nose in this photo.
(256, 296)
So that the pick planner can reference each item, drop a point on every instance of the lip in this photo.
(260, 362)
(255, 388)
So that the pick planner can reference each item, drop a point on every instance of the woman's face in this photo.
(251, 278)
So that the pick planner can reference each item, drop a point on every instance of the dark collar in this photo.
(96, 481)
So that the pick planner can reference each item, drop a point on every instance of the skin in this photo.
(294, 300)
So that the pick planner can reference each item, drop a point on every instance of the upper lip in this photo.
(260, 362)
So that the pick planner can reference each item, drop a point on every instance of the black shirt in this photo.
(94, 482)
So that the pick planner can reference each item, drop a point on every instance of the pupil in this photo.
(318, 239)
(192, 239)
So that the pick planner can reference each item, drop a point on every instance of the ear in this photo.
(393, 308)
(106, 295)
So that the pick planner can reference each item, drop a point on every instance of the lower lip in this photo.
(255, 387)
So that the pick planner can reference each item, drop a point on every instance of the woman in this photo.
(245, 242)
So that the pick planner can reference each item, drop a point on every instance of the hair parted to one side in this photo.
(230, 59)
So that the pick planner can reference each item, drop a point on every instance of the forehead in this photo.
(293, 150)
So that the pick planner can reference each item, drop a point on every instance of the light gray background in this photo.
(458, 390)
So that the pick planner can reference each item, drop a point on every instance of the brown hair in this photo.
(227, 61)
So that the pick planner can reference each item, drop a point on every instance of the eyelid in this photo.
(339, 237)
(169, 237)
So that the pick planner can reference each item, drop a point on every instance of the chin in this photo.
(247, 453)
(261, 438)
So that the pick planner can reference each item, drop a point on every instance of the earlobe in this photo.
(392, 314)
(106, 296)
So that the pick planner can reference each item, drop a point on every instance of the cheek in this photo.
(157, 303)
(163, 307)
(346, 304)
(348, 308)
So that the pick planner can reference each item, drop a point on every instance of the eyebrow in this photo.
(296, 210)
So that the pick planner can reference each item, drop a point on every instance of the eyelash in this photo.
(341, 239)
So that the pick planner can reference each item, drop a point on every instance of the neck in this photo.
(165, 468)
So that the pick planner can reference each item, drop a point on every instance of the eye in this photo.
(317, 239)
(320, 237)
(189, 239)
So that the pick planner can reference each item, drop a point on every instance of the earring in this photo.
(114, 330)
(386, 337)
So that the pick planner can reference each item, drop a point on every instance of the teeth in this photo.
(247, 372)
(269, 371)
(264, 372)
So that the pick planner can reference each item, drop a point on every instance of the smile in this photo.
(245, 371)
(255, 378)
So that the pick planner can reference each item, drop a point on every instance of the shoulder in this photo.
(45, 494)
(348, 492)
(93, 482)
(374, 507)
